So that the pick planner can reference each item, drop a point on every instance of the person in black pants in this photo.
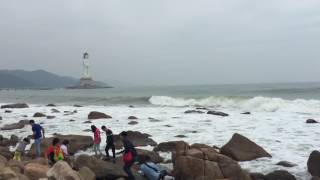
(128, 148)
(110, 143)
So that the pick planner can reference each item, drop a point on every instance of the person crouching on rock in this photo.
(21, 149)
(54, 153)
(96, 139)
(110, 143)
(129, 154)
(152, 172)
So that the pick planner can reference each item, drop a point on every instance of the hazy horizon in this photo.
(165, 42)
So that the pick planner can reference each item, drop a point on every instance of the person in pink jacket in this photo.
(96, 139)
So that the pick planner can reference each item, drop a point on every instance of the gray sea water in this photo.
(142, 95)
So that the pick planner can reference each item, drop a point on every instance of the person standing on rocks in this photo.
(129, 154)
(96, 139)
(110, 143)
(54, 153)
(38, 134)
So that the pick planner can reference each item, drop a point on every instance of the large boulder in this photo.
(17, 105)
(280, 174)
(9, 142)
(86, 174)
(170, 146)
(8, 173)
(36, 171)
(143, 155)
(5, 152)
(62, 170)
(102, 169)
(137, 138)
(98, 115)
(18, 125)
(77, 142)
(206, 164)
(314, 163)
(241, 148)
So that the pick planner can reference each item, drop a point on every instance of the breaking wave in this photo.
(259, 103)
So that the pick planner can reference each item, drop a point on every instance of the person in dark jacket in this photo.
(128, 149)
(110, 143)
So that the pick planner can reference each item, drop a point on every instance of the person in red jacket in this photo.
(96, 139)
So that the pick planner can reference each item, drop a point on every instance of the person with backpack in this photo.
(96, 139)
(21, 149)
(54, 153)
(110, 143)
(129, 154)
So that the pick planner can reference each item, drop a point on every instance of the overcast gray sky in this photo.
(165, 42)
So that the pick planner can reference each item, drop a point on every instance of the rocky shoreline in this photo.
(189, 162)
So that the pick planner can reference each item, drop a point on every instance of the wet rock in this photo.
(280, 174)
(133, 122)
(102, 169)
(87, 174)
(286, 164)
(246, 113)
(193, 112)
(241, 148)
(199, 146)
(36, 171)
(51, 105)
(5, 152)
(12, 126)
(7, 111)
(217, 113)
(132, 117)
(144, 154)
(51, 117)
(137, 138)
(0, 118)
(181, 136)
(17, 105)
(62, 170)
(202, 108)
(311, 121)
(87, 130)
(77, 142)
(98, 115)
(314, 163)
(72, 120)
(167, 125)
(55, 111)
(87, 122)
(38, 114)
(154, 120)
(170, 146)
(18, 125)
(131, 106)
(76, 105)
(257, 176)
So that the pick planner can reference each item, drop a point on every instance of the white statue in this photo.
(86, 65)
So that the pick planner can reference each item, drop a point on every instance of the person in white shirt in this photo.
(64, 147)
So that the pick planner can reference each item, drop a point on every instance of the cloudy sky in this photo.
(165, 42)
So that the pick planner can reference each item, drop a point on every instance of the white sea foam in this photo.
(247, 104)
(275, 124)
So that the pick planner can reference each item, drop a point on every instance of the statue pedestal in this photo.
(87, 82)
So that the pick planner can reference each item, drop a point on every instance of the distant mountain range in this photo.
(39, 79)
